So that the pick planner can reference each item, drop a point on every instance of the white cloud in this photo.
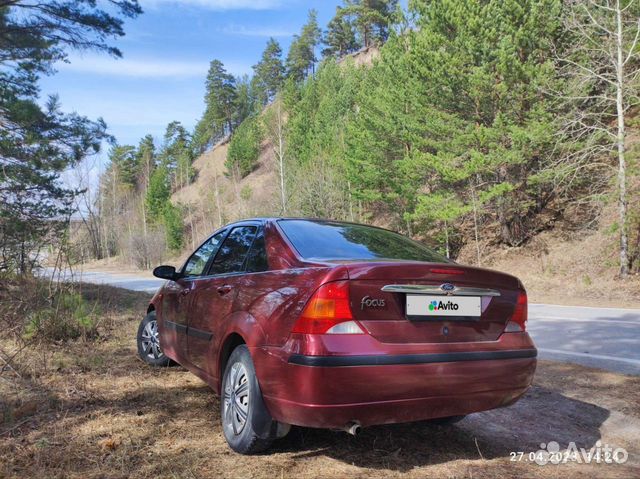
(217, 4)
(256, 31)
(145, 67)
(129, 67)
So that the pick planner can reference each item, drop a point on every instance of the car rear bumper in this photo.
(331, 391)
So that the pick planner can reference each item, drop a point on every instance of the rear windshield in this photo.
(330, 240)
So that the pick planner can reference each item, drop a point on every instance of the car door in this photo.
(176, 301)
(213, 297)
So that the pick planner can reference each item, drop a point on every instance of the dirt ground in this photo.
(94, 410)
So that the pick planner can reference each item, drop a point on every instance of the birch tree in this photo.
(274, 123)
(601, 68)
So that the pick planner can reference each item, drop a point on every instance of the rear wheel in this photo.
(148, 340)
(246, 423)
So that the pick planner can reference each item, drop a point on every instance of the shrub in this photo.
(68, 316)
(244, 149)
(146, 251)
(174, 227)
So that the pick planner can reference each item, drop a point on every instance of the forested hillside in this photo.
(472, 125)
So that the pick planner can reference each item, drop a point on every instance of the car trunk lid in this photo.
(378, 293)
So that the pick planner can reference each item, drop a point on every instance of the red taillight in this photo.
(518, 321)
(328, 307)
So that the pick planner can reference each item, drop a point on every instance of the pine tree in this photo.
(174, 227)
(160, 210)
(146, 161)
(244, 148)
(123, 159)
(301, 58)
(456, 106)
(177, 155)
(245, 102)
(269, 72)
(218, 118)
(340, 36)
(392, 139)
(37, 141)
(158, 194)
(372, 19)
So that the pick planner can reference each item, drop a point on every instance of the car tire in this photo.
(246, 423)
(148, 341)
(446, 421)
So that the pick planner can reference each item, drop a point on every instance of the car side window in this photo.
(198, 260)
(257, 260)
(234, 249)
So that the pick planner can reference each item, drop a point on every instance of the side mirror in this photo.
(166, 272)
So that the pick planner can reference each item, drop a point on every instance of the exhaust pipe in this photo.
(353, 428)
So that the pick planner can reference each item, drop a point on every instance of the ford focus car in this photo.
(337, 325)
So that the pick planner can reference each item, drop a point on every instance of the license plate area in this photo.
(421, 307)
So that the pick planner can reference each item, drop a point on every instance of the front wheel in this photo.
(148, 340)
(246, 423)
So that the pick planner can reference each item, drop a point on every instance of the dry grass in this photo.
(94, 410)
(255, 195)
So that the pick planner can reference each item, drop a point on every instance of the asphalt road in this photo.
(606, 338)
(126, 281)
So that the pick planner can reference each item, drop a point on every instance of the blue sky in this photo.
(166, 54)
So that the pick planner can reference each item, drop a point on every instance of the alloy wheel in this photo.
(150, 340)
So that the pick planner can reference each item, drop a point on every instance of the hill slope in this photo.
(566, 264)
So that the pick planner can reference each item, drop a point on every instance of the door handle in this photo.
(222, 290)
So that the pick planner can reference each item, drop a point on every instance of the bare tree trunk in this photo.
(280, 153)
(350, 202)
(193, 239)
(622, 174)
(217, 195)
(475, 225)
(446, 239)
(144, 217)
(103, 225)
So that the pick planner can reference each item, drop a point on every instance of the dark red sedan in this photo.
(337, 325)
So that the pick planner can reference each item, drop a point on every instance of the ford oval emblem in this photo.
(448, 287)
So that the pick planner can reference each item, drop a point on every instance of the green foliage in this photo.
(319, 109)
(220, 97)
(177, 155)
(161, 211)
(35, 35)
(246, 192)
(371, 18)
(37, 141)
(123, 165)
(269, 73)
(244, 148)
(158, 194)
(69, 316)
(301, 58)
(454, 107)
(247, 99)
(340, 36)
(145, 160)
(174, 228)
